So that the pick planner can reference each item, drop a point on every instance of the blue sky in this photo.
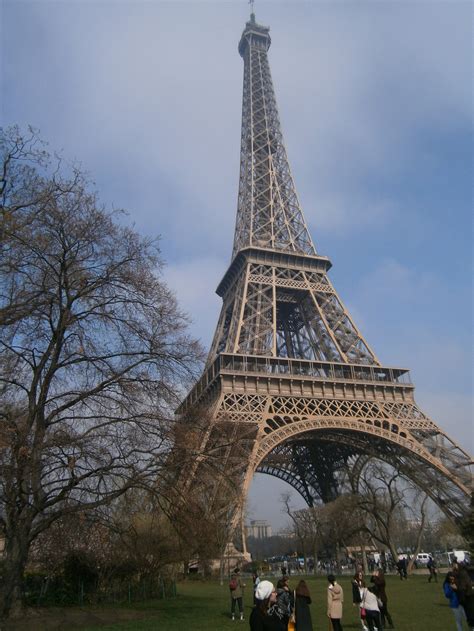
(375, 101)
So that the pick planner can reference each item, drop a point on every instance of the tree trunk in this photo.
(315, 560)
(364, 560)
(221, 568)
(419, 536)
(15, 558)
(393, 551)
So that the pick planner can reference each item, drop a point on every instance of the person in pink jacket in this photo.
(335, 600)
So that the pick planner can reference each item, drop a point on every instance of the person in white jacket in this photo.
(335, 601)
(370, 603)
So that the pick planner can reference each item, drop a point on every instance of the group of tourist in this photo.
(281, 609)
(277, 608)
(372, 601)
(458, 588)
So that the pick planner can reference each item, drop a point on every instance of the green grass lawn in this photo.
(416, 605)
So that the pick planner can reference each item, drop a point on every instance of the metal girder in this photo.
(281, 312)
(269, 213)
(310, 466)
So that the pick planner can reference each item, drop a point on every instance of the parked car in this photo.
(461, 556)
(422, 558)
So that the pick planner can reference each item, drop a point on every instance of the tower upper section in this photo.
(269, 213)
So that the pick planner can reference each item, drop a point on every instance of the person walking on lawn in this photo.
(431, 565)
(236, 587)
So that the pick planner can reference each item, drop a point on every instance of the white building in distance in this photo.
(259, 528)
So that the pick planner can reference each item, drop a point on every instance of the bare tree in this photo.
(467, 527)
(326, 526)
(381, 500)
(143, 535)
(417, 508)
(448, 535)
(132, 538)
(304, 527)
(93, 353)
(385, 498)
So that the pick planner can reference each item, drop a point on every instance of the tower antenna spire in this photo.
(252, 10)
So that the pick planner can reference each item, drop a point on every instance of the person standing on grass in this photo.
(335, 601)
(264, 616)
(378, 579)
(450, 589)
(236, 587)
(358, 584)
(302, 610)
(372, 610)
(284, 600)
(465, 593)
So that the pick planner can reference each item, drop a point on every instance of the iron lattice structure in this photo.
(293, 388)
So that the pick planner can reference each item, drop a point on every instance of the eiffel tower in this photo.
(292, 387)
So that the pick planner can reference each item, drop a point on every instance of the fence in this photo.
(41, 590)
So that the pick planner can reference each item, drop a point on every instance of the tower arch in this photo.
(302, 453)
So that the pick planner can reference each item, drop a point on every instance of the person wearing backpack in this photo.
(236, 587)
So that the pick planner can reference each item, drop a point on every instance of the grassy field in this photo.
(415, 605)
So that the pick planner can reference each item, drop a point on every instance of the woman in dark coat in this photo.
(465, 593)
(378, 579)
(302, 611)
(264, 616)
(284, 600)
